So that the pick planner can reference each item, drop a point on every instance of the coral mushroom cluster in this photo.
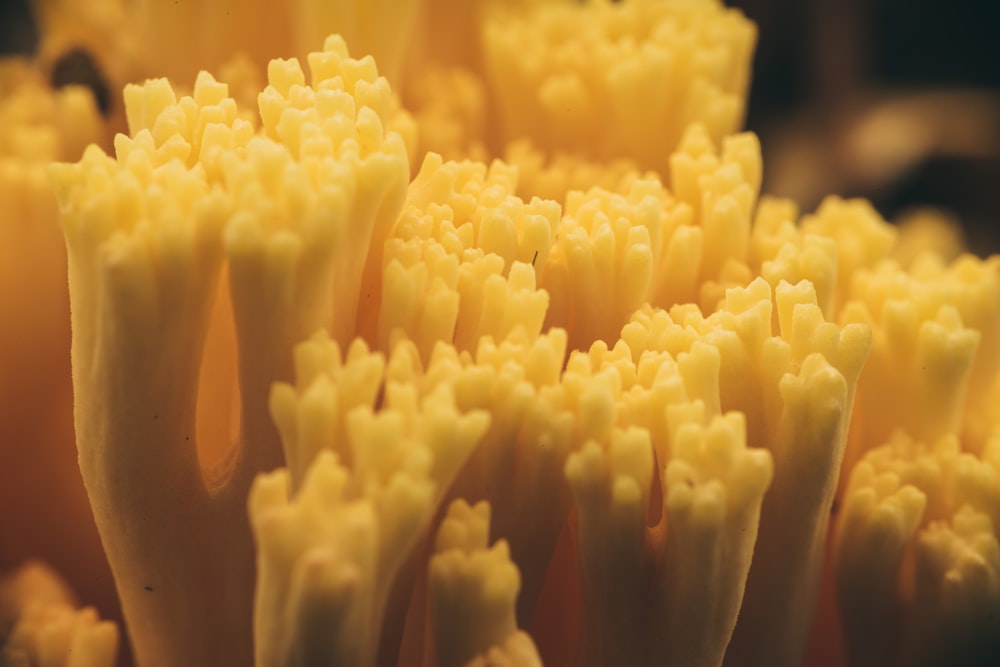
(507, 361)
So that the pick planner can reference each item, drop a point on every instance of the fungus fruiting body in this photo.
(489, 350)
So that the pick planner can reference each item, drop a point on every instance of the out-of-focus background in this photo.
(894, 100)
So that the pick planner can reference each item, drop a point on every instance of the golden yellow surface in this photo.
(414, 333)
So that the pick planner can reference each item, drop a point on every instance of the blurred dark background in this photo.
(894, 100)
(17, 29)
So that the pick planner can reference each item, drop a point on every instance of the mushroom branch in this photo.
(333, 536)
(464, 259)
(473, 589)
(641, 242)
(288, 211)
(807, 376)
(46, 625)
(916, 563)
(672, 408)
(590, 83)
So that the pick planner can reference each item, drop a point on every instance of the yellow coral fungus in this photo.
(480, 346)
(49, 629)
(148, 234)
(592, 79)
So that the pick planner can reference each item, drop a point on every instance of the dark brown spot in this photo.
(77, 67)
